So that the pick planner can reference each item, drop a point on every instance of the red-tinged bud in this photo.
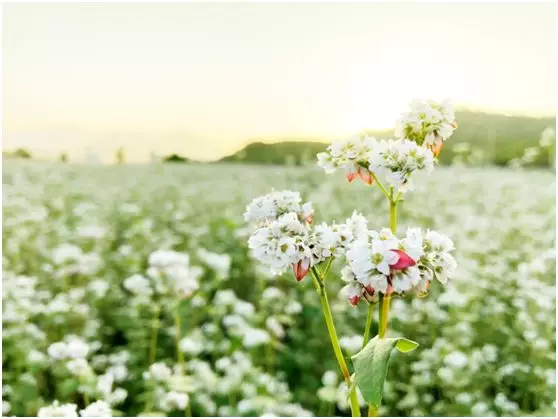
(351, 176)
(404, 260)
(454, 124)
(369, 290)
(436, 148)
(309, 219)
(301, 268)
(365, 175)
(389, 289)
(354, 300)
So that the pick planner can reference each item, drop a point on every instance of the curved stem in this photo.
(382, 188)
(355, 408)
(368, 324)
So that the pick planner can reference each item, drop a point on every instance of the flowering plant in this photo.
(378, 264)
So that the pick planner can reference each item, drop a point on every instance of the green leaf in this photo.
(371, 365)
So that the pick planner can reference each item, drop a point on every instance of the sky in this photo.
(203, 79)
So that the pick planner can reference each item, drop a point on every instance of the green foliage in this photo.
(371, 366)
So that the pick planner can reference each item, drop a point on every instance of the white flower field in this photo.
(130, 290)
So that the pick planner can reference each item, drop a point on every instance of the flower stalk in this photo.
(320, 288)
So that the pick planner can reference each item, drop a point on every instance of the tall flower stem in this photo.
(154, 333)
(385, 300)
(320, 288)
(368, 324)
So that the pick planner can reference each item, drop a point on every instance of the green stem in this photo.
(368, 325)
(86, 399)
(154, 332)
(393, 216)
(384, 311)
(177, 326)
(382, 188)
(355, 408)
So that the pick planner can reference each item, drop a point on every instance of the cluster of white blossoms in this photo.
(428, 123)
(270, 207)
(382, 263)
(169, 389)
(169, 273)
(97, 409)
(289, 240)
(420, 134)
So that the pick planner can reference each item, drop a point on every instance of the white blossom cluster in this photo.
(428, 123)
(396, 160)
(382, 263)
(169, 389)
(169, 274)
(419, 133)
(286, 241)
(98, 409)
(271, 207)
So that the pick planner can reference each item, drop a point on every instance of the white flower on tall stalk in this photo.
(398, 160)
(268, 208)
(428, 123)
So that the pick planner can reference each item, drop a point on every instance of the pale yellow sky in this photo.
(200, 79)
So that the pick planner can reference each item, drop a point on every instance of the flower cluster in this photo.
(420, 135)
(427, 123)
(97, 409)
(169, 389)
(270, 207)
(169, 273)
(287, 241)
(382, 263)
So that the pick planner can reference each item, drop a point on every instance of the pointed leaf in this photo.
(371, 365)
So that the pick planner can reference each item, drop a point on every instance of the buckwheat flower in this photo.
(56, 409)
(398, 160)
(220, 263)
(293, 307)
(275, 327)
(98, 409)
(77, 348)
(159, 372)
(428, 123)
(272, 293)
(79, 367)
(6, 407)
(174, 400)
(330, 378)
(456, 360)
(58, 350)
(162, 259)
(255, 337)
(349, 156)
(138, 284)
(352, 344)
(66, 253)
(192, 344)
(268, 208)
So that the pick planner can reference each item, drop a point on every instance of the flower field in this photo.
(133, 285)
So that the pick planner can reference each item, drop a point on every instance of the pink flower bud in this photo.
(351, 176)
(365, 175)
(354, 300)
(301, 268)
(404, 260)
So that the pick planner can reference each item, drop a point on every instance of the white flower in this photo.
(66, 253)
(255, 337)
(192, 345)
(275, 327)
(174, 400)
(79, 367)
(347, 155)
(77, 348)
(97, 409)
(138, 284)
(351, 344)
(268, 208)
(220, 263)
(58, 350)
(330, 378)
(56, 409)
(159, 372)
(428, 123)
(456, 360)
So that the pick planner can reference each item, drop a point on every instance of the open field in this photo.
(253, 344)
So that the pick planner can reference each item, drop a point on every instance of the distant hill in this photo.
(500, 137)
